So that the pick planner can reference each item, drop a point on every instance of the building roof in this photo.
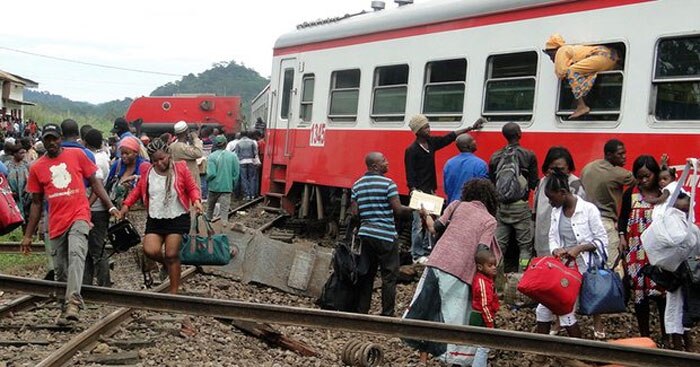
(18, 79)
(413, 15)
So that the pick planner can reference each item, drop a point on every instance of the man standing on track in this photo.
(604, 181)
(462, 168)
(419, 160)
(59, 176)
(513, 169)
(188, 147)
(375, 199)
(222, 174)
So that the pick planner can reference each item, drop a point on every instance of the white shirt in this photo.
(102, 162)
(158, 207)
(587, 226)
(231, 145)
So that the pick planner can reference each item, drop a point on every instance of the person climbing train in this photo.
(579, 65)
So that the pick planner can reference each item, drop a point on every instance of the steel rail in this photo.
(239, 208)
(18, 304)
(62, 355)
(394, 327)
(271, 223)
(14, 248)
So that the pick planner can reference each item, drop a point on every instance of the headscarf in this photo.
(554, 42)
(130, 143)
(153, 147)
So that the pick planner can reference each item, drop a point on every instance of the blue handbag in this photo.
(212, 249)
(601, 290)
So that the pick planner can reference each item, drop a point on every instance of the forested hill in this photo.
(223, 79)
(55, 108)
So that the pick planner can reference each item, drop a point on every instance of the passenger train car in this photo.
(349, 86)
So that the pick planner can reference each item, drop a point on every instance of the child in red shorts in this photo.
(484, 299)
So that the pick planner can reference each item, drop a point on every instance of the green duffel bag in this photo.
(212, 249)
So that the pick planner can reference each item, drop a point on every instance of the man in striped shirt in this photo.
(375, 199)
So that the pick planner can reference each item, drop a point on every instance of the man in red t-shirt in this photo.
(58, 177)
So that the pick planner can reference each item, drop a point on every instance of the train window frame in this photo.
(448, 117)
(657, 81)
(597, 118)
(390, 118)
(286, 101)
(306, 104)
(523, 117)
(347, 118)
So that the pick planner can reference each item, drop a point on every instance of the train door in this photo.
(285, 102)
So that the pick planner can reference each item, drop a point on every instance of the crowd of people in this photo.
(69, 181)
(596, 219)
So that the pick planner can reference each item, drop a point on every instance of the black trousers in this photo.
(97, 261)
(384, 255)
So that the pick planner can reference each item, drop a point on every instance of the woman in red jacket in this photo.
(167, 190)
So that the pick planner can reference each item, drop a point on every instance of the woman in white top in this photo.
(556, 158)
(576, 232)
(167, 190)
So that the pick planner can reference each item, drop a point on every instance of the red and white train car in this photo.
(348, 87)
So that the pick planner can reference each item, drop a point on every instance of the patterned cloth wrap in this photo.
(640, 219)
(581, 75)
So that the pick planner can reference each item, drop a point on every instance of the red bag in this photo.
(10, 215)
(552, 283)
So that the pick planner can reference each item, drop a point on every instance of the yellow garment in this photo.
(554, 42)
(581, 59)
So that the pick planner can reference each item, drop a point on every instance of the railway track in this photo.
(14, 248)
(102, 326)
(62, 355)
(413, 329)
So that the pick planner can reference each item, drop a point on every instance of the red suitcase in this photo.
(552, 283)
(10, 215)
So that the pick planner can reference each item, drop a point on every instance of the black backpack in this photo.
(509, 180)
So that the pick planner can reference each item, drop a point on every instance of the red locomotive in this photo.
(159, 114)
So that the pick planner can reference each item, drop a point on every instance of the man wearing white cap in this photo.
(419, 160)
(188, 147)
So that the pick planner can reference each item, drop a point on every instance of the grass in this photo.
(14, 236)
(17, 263)
(14, 263)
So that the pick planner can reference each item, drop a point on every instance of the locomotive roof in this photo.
(429, 12)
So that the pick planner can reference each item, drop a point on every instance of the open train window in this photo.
(677, 79)
(307, 97)
(389, 93)
(605, 98)
(286, 93)
(345, 92)
(510, 86)
(443, 91)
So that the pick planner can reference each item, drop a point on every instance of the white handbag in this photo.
(673, 235)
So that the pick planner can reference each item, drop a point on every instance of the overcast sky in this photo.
(174, 36)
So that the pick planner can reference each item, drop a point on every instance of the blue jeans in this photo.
(421, 240)
(249, 179)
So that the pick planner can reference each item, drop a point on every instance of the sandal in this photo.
(600, 335)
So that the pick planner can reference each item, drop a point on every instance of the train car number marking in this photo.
(318, 134)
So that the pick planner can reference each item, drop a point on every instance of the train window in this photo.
(307, 97)
(286, 93)
(443, 92)
(389, 93)
(345, 91)
(677, 79)
(510, 86)
(605, 98)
